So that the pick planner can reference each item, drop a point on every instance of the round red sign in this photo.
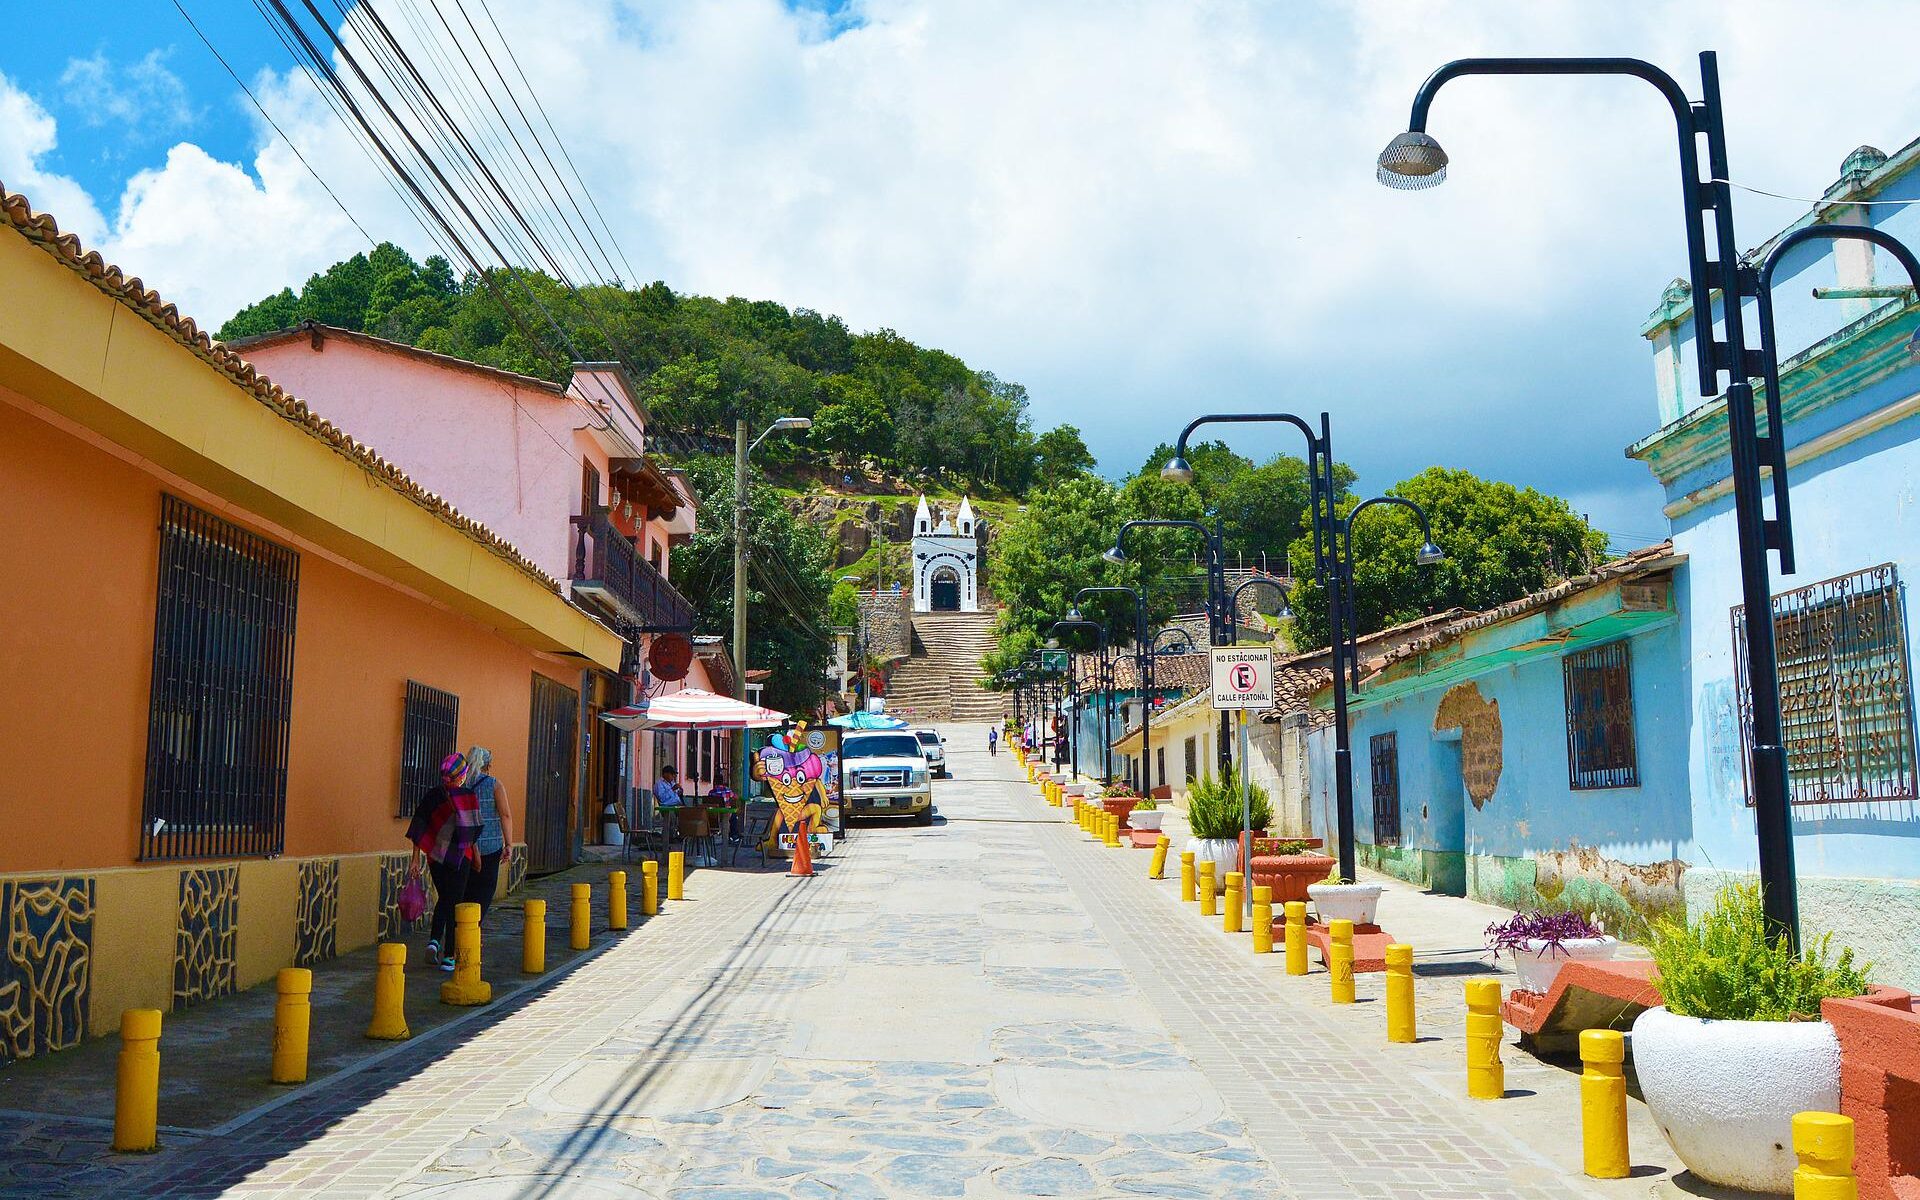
(670, 656)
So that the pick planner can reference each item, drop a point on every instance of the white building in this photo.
(946, 560)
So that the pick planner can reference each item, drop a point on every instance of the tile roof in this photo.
(1645, 561)
(41, 230)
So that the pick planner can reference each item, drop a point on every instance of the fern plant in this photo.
(1725, 967)
(1213, 807)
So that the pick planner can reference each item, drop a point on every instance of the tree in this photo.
(1501, 543)
(1050, 551)
(843, 606)
(1265, 507)
(1059, 453)
(789, 585)
(855, 422)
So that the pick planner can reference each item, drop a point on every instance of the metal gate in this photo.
(550, 759)
(1384, 751)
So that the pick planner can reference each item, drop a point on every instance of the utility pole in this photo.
(740, 567)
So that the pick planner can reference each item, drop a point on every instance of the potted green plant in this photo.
(1214, 816)
(1287, 866)
(1335, 898)
(1540, 941)
(1119, 799)
(1738, 1047)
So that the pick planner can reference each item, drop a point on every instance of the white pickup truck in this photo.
(885, 774)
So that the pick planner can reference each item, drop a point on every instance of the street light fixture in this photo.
(1218, 633)
(1414, 160)
(1104, 684)
(1143, 667)
(741, 449)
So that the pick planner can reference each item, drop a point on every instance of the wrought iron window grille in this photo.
(221, 694)
(1601, 749)
(1383, 755)
(429, 732)
(1846, 690)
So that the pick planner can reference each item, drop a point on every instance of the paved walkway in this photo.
(991, 1007)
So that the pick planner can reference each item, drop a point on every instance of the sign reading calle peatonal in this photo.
(1242, 677)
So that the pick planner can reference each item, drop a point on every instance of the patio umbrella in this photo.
(867, 720)
(693, 708)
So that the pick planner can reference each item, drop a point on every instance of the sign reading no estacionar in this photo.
(1242, 678)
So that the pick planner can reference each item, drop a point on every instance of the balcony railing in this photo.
(607, 568)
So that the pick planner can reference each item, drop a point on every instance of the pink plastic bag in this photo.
(413, 900)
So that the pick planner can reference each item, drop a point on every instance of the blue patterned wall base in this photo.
(318, 918)
(203, 947)
(46, 964)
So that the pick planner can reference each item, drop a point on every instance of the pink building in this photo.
(561, 472)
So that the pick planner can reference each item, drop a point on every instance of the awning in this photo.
(693, 708)
(867, 720)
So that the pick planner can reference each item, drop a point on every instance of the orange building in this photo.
(236, 641)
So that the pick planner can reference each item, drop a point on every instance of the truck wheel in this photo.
(924, 816)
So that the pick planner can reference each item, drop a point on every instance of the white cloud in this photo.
(1144, 210)
(27, 136)
(145, 96)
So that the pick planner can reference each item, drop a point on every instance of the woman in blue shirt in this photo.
(496, 828)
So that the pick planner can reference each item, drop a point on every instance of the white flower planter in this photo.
(1724, 1092)
(1147, 821)
(1537, 963)
(1354, 902)
(1223, 853)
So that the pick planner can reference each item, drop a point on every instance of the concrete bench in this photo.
(1584, 995)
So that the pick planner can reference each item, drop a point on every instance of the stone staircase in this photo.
(940, 680)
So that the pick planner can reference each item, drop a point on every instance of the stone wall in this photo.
(886, 624)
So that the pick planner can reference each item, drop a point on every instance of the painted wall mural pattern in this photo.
(46, 964)
(393, 877)
(316, 929)
(203, 954)
(516, 866)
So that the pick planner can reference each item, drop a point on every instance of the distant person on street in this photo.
(445, 826)
(993, 741)
(496, 828)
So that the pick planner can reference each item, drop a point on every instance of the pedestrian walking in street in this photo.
(445, 826)
(993, 741)
(496, 828)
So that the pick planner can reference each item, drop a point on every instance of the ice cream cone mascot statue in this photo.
(795, 774)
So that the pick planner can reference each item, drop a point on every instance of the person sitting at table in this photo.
(666, 789)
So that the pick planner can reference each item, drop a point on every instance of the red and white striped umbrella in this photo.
(693, 708)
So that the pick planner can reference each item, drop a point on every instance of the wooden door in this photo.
(551, 744)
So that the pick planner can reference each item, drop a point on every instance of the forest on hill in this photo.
(877, 400)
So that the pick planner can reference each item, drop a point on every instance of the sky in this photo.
(1141, 211)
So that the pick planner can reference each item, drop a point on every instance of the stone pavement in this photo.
(991, 1007)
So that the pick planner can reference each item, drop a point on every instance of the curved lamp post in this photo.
(1074, 620)
(1233, 602)
(1218, 633)
(1143, 667)
(1414, 160)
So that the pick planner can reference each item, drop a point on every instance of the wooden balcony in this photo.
(610, 572)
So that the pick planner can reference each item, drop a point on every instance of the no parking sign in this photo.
(1242, 678)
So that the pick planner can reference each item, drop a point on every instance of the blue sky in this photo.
(1140, 211)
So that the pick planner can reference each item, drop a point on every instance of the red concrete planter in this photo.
(1119, 806)
(1289, 874)
(1880, 1088)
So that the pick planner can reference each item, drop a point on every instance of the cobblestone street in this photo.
(994, 1006)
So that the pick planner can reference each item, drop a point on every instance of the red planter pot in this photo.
(1289, 874)
(1119, 806)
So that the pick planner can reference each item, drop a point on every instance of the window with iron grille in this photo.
(430, 732)
(216, 778)
(1383, 751)
(1600, 744)
(1846, 689)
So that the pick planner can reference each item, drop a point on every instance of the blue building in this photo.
(1588, 744)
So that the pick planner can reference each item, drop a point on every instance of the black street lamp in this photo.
(1218, 632)
(1233, 602)
(1103, 680)
(1414, 160)
(1332, 566)
(1143, 667)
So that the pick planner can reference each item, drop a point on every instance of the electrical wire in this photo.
(1746, 187)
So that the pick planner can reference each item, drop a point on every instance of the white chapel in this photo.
(946, 560)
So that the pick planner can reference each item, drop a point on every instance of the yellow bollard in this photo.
(136, 1102)
(1296, 937)
(1187, 884)
(533, 937)
(1157, 868)
(677, 875)
(1400, 1024)
(580, 928)
(1235, 901)
(1603, 1104)
(292, 1020)
(389, 1022)
(616, 900)
(1486, 1077)
(1205, 884)
(1262, 919)
(1824, 1143)
(1340, 960)
(466, 988)
(1113, 831)
(649, 888)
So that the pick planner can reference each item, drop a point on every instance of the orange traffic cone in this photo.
(802, 852)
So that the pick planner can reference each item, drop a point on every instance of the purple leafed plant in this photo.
(1553, 928)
